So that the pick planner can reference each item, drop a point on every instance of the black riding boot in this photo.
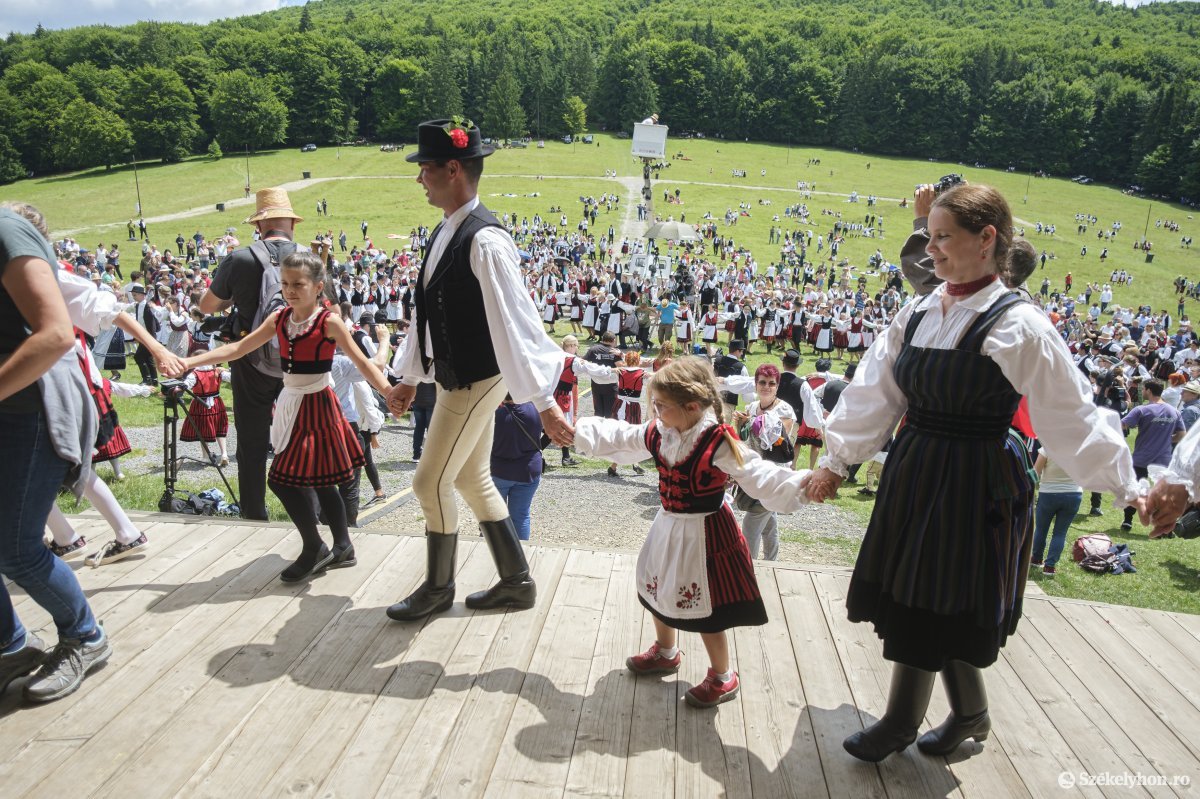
(516, 588)
(436, 594)
(908, 699)
(968, 710)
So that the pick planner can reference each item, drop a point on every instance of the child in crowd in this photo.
(207, 420)
(315, 447)
(694, 572)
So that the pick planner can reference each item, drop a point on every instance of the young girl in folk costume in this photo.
(591, 313)
(683, 328)
(577, 303)
(315, 447)
(854, 343)
(550, 310)
(710, 324)
(694, 572)
(628, 407)
(566, 393)
(841, 333)
(207, 420)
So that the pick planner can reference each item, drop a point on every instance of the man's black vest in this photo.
(452, 306)
(728, 366)
(833, 389)
(790, 391)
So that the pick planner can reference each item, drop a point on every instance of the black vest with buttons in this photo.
(452, 306)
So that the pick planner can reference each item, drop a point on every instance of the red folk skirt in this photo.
(323, 450)
(115, 447)
(204, 423)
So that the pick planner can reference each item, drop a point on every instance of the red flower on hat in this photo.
(458, 137)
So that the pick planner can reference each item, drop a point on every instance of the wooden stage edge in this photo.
(225, 682)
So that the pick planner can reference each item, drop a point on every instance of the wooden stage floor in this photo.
(226, 682)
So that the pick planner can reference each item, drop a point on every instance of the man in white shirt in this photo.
(477, 334)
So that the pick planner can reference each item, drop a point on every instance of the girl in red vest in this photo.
(628, 407)
(207, 420)
(316, 449)
(694, 571)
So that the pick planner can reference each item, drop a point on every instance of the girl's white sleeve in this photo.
(611, 439)
(129, 389)
(776, 486)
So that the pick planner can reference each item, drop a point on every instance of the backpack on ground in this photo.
(270, 299)
(1094, 544)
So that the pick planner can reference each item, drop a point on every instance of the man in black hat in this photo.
(144, 313)
(478, 335)
(731, 365)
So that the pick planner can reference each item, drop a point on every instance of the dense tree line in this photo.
(1064, 86)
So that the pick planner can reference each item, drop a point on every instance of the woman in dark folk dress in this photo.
(941, 572)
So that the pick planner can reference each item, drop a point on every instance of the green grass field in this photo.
(363, 183)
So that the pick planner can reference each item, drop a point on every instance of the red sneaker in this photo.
(651, 662)
(712, 691)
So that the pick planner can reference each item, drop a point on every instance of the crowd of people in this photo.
(958, 388)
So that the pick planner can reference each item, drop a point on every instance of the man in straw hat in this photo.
(478, 335)
(238, 282)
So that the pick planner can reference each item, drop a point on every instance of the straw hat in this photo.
(1192, 387)
(272, 203)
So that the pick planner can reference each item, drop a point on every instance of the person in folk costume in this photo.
(823, 325)
(628, 408)
(395, 309)
(566, 393)
(684, 328)
(754, 328)
(315, 447)
(770, 325)
(549, 309)
(496, 343)
(576, 302)
(942, 568)
(710, 588)
(200, 340)
(799, 323)
(591, 313)
(110, 348)
(841, 333)
(872, 322)
(855, 340)
(710, 325)
(810, 432)
(358, 297)
(207, 420)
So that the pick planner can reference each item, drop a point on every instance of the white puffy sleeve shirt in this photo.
(1084, 439)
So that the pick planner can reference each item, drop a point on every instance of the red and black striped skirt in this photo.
(323, 450)
(204, 423)
(115, 447)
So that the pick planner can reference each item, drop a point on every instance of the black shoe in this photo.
(569, 462)
(436, 594)
(968, 709)
(306, 566)
(945, 738)
(1095, 512)
(343, 558)
(612, 471)
(638, 469)
(370, 501)
(516, 588)
(879, 740)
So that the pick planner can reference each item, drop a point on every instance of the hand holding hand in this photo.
(172, 365)
(823, 484)
(400, 399)
(1162, 507)
(555, 425)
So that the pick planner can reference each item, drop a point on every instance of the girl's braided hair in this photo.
(691, 379)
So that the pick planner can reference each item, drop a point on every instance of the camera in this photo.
(946, 182)
(172, 390)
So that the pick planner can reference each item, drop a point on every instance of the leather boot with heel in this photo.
(968, 710)
(908, 698)
(436, 594)
(516, 588)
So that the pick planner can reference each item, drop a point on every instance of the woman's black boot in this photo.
(516, 588)
(908, 699)
(968, 710)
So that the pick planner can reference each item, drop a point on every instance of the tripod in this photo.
(173, 393)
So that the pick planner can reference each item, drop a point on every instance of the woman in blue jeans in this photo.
(517, 459)
(47, 433)
(1058, 501)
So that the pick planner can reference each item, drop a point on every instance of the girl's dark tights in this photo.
(298, 502)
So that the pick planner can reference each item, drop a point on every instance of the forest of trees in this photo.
(1064, 86)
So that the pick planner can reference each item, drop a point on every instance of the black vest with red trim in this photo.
(629, 382)
(695, 484)
(566, 384)
(451, 304)
(310, 353)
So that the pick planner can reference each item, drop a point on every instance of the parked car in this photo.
(587, 139)
(567, 140)
(308, 148)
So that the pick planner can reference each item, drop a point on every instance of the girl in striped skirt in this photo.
(315, 447)
(694, 571)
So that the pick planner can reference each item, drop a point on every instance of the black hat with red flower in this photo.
(448, 139)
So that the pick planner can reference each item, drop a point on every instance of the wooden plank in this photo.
(468, 753)
(1128, 708)
(273, 730)
(534, 759)
(1166, 655)
(598, 762)
(127, 700)
(908, 773)
(1165, 699)
(365, 761)
(829, 701)
(711, 757)
(1075, 733)
(250, 654)
(127, 643)
(650, 769)
(376, 644)
(780, 743)
(1175, 634)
